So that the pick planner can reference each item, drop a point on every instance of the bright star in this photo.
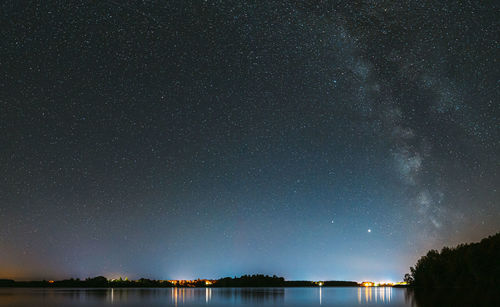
(369, 230)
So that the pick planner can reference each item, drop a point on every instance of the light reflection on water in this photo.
(322, 296)
(380, 295)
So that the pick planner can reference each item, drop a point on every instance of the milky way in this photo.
(184, 139)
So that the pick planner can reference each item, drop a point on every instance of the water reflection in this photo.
(182, 296)
(453, 297)
(208, 295)
(374, 294)
(322, 296)
(254, 296)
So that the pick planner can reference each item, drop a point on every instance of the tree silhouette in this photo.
(476, 264)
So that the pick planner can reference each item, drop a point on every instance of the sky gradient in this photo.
(321, 140)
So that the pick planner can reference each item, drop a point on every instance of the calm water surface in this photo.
(225, 297)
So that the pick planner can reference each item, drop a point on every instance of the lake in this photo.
(324, 296)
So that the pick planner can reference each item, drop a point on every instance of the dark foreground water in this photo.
(241, 297)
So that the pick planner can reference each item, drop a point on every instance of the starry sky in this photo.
(335, 140)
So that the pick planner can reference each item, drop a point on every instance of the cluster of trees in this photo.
(339, 283)
(476, 264)
(275, 281)
(251, 281)
(6, 282)
(94, 282)
(140, 283)
(328, 283)
(191, 283)
(243, 281)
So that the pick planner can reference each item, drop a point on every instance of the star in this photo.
(241, 130)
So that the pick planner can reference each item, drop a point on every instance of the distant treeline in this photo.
(328, 283)
(243, 281)
(95, 282)
(467, 265)
(275, 281)
(251, 281)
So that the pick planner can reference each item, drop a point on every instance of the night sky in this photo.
(334, 140)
